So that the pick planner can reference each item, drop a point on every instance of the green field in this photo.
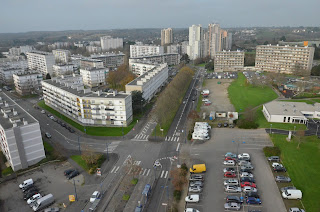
(242, 95)
(263, 123)
(303, 167)
(97, 131)
(80, 161)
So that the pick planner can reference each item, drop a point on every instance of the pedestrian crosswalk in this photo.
(141, 136)
(172, 138)
(139, 171)
(112, 146)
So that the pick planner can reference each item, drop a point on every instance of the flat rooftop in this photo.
(153, 72)
(290, 108)
(15, 113)
(40, 52)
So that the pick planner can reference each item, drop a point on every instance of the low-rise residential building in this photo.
(94, 49)
(68, 96)
(145, 50)
(284, 59)
(20, 135)
(41, 62)
(65, 69)
(170, 59)
(139, 67)
(61, 56)
(229, 61)
(6, 74)
(290, 112)
(150, 82)
(91, 63)
(110, 60)
(27, 83)
(93, 77)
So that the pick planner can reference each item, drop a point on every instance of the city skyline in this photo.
(97, 15)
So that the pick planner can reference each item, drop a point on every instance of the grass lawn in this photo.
(302, 165)
(80, 161)
(201, 65)
(243, 95)
(199, 104)
(97, 131)
(7, 171)
(263, 123)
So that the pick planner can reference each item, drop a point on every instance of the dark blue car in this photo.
(253, 201)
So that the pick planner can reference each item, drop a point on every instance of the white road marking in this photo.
(166, 138)
(165, 176)
(141, 171)
(178, 139)
(147, 137)
(117, 169)
(144, 171)
(162, 173)
(148, 172)
(177, 149)
(113, 169)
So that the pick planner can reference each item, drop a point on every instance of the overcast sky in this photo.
(54, 15)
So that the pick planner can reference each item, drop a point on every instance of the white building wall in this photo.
(145, 50)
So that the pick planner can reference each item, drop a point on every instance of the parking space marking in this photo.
(144, 171)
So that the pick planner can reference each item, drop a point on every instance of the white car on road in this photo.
(192, 198)
(95, 195)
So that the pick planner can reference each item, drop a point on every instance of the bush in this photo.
(271, 151)
(7, 171)
(185, 168)
(134, 181)
(176, 195)
(126, 197)
(245, 124)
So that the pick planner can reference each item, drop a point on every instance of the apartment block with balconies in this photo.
(27, 83)
(229, 61)
(94, 77)
(41, 62)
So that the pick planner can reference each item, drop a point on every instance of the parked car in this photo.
(229, 162)
(225, 124)
(243, 155)
(247, 189)
(244, 169)
(246, 174)
(94, 196)
(191, 210)
(234, 199)
(73, 174)
(192, 198)
(231, 182)
(230, 154)
(196, 183)
(229, 158)
(48, 135)
(283, 179)
(196, 177)
(68, 171)
(229, 169)
(276, 165)
(63, 124)
(231, 126)
(30, 194)
(243, 184)
(254, 201)
(288, 188)
(43, 112)
(26, 188)
(244, 163)
(296, 210)
(33, 198)
(274, 158)
(55, 209)
(248, 166)
(195, 189)
(232, 189)
(232, 206)
(71, 130)
(279, 169)
(30, 190)
(252, 194)
(229, 175)
(219, 125)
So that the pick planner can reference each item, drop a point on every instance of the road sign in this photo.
(98, 171)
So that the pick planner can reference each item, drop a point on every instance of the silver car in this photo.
(244, 163)
(287, 188)
(248, 166)
(248, 189)
(196, 183)
(232, 206)
(231, 182)
(196, 177)
(232, 189)
(195, 189)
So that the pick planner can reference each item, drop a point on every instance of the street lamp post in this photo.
(79, 144)
(294, 129)
(317, 130)
(107, 152)
(270, 128)
(141, 105)
(75, 190)
(122, 131)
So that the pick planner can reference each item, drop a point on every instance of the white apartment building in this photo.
(196, 42)
(150, 82)
(94, 49)
(170, 59)
(94, 77)
(139, 67)
(68, 96)
(107, 43)
(61, 56)
(145, 50)
(229, 61)
(166, 36)
(110, 60)
(27, 83)
(65, 69)
(18, 50)
(20, 135)
(6, 74)
(91, 63)
(284, 59)
(174, 48)
(41, 62)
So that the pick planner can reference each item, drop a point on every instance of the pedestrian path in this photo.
(141, 137)
(172, 138)
(139, 171)
(145, 132)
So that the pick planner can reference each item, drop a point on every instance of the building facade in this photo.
(145, 50)
(229, 61)
(68, 96)
(90, 63)
(110, 60)
(150, 82)
(94, 77)
(170, 59)
(27, 83)
(20, 135)
(59, 70)
(174, 48)
(108, 42)
(41, 62)
(6, 74)
(166, 36)
(284, 59)
(19, 50)
(196, 42)
(139, 67)
(61, 56)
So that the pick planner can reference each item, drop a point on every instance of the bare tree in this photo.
(300, 135)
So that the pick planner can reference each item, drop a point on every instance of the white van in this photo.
(26, 183)
(202, 124)
(200, 136)
(200, 128)
(202, 132)
(292, 194)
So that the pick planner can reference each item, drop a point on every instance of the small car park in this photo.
(192, 198)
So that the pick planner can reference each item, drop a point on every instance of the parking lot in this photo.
(48, 179)
(212, 198)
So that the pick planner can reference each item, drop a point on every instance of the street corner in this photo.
(78, 180)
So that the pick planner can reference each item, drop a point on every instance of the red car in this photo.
(229, 158)
(229, 175)
(243, 184)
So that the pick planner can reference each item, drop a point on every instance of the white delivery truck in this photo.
(203, 124)
(26, 183)
(292, 194)
(43, 202)
(205, 92)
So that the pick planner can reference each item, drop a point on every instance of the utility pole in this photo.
(107, 152)
(75, 190)
(79, 144)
